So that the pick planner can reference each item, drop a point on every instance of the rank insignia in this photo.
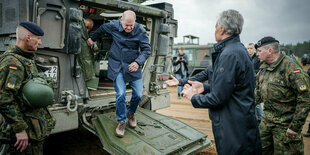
(302, 87)
(11, 85)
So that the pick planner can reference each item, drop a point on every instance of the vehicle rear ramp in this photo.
(154, 134)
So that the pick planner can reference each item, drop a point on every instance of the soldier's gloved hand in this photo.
(21, 141)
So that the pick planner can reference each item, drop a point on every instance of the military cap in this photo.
(32, 27)
(265, 41)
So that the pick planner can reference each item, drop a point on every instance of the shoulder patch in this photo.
(296, 71)
(11, 83)
(302, 87)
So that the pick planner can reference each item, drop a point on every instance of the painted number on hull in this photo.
(52, 72)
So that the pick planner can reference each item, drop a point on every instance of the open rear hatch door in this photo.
(154, 134)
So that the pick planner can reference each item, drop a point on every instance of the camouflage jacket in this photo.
(283, 87)
(13, 75)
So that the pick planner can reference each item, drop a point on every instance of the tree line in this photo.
(298, 50)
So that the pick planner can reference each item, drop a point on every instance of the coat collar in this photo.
(19, 51)
(121, 29)
(219, 47)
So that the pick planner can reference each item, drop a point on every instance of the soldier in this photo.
(283, 86)
(86, 57)
(29, 121)
(129, 50)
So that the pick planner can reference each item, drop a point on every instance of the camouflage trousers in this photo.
(274, 140)
(33, 148)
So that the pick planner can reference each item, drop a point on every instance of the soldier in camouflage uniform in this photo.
(283, 86)
(86, 57)
(28, 125)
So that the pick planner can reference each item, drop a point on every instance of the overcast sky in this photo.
(286, 20)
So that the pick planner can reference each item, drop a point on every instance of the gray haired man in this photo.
(231, 99)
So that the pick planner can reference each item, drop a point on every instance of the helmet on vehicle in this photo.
(37, 93)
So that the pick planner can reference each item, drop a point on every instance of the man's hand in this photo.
(178, 58)
(133, 67)
(291, 133)
(21, 141)
(188, 91)
(197, 85)
(173, 82)
(90, 42)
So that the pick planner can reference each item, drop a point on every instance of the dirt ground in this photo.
(199, 119)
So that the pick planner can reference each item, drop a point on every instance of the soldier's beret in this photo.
(265, 41)
(32, 27)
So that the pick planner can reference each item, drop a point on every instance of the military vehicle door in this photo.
(154, 134)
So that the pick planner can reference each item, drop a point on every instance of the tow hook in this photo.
(71, 99)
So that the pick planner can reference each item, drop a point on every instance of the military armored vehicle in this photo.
(199, 56)
(76, 106)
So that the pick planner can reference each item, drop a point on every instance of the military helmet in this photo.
(37, 93)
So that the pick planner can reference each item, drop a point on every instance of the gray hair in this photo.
(275, 46)
(21, 32)
(127, 11)
(232, 21)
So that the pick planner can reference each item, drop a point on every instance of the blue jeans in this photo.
(259, 112)
(180, 76)
(120, 88)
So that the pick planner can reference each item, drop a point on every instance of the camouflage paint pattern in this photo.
(276, 142)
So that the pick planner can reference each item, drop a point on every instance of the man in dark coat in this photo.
(257, 64)
(231, 97)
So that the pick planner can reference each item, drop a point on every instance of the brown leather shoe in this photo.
(120, 129)
(132, 120)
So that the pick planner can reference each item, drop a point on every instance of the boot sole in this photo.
(131, 126)
(119, 136)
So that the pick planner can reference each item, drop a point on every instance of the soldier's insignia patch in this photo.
(13, 67)
(296, 71)
(303, 87)
(11, 85)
